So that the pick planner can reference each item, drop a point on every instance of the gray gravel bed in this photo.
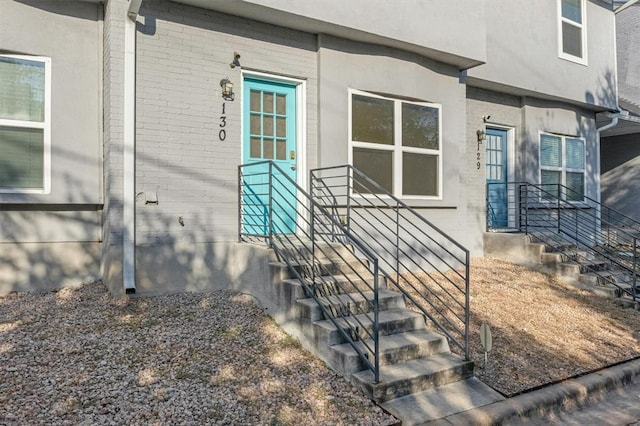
(80, 357)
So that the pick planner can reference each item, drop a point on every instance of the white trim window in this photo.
(25, 124)
(562, 161)
(397, 143)
(572, 30)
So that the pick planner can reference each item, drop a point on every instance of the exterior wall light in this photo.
(227, 89)
(481, 136)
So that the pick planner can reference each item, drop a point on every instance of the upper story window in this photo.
(572, 30)
(397, 143)
(562, 161)
(25, 123)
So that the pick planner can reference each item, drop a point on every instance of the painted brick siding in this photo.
(182, 54)
(628, 46)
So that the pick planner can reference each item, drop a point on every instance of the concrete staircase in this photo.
(591, 272)
(420, 378)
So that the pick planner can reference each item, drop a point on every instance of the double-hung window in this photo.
(25, 124)
(397, 143)
(572, 30)
(562, 162)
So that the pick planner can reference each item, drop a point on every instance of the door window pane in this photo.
(267, 149)
(267, 125)
(376, 164)
(281, 127)
(255, 124)
(281, 104)
(419, 174)
(255, 100)
(420, 126)
(268, 102)
(22, 158)
(372, 120)
(281, 150)
(255, 148)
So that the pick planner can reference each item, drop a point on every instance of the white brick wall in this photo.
(182, 54)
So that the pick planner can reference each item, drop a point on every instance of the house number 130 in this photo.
(222, 134)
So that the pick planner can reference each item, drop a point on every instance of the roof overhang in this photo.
(299, 22)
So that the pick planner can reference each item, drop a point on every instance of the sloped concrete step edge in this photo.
(424, 407)
(577, 392)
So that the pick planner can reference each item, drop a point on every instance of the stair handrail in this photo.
(276, 242)
(388, 200)
(582, 229)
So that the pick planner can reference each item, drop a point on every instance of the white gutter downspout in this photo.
(129, 153)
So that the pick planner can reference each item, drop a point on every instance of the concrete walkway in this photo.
(607, 397)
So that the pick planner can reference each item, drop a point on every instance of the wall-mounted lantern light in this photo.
(481, 136)
(227, 89)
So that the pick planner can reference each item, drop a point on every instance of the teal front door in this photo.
(497, 193)
(269, 133)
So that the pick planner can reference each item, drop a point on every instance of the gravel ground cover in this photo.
(78, 356)
(543, 330)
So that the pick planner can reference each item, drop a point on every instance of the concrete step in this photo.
(422, 407)
(394, 349)
(409, 377)
(339, 283)
(345, 304)
(325, 267)
(302, 250)
(360, 327)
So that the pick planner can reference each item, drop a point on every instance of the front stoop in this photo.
(518, 248)
(418, 371)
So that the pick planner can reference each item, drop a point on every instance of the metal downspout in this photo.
(129, 153)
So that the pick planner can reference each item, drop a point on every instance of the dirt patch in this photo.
(543, 330)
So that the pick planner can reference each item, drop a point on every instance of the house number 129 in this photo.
(222, 134)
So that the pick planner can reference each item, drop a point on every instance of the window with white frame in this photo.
(24, 123)
(572, 30)
(397, 143)
(562, 162)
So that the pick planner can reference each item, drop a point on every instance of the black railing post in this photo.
(398, 240)
(486, 206)
(312, 234)
(526, 207)
(466, 307)
(376, 322)
(349, 194)
(240, 190)
(558, 208)
(635, 266)
(270, 203)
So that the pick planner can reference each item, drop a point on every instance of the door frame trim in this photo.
(301, 129)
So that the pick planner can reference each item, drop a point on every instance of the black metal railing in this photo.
(567, 221)
(275, 209)
(416, 258)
